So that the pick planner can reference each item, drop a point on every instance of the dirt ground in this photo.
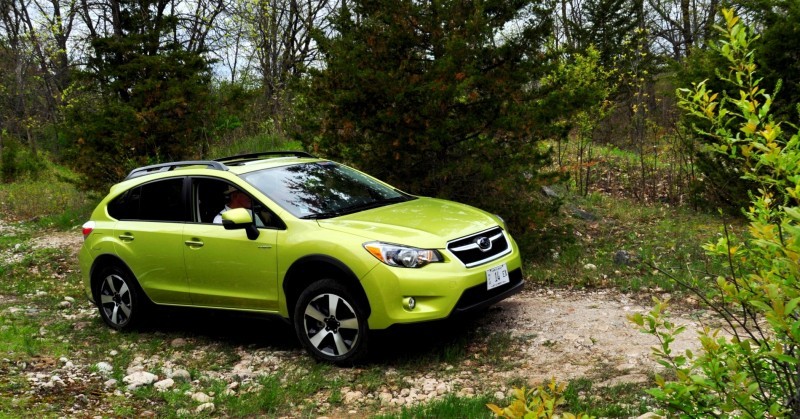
(574, 334)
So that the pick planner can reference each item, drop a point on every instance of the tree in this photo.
(142, 98)
(778, 53)
(608, 24)
(442, 98)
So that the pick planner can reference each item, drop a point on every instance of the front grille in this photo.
(480, 248)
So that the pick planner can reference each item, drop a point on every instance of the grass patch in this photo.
(620, 401)
(448, 407)
(50, 203)
(619, 245)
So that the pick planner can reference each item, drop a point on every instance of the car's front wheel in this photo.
(118, 298)
(330, 322)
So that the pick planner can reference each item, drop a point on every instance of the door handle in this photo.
(126, 237)
(194, 243)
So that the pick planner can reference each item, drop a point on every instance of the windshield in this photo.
(323, 189)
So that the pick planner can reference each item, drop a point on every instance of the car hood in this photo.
(422, 222)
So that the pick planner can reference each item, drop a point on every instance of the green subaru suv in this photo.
(333, 250)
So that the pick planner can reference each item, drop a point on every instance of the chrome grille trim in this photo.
(500, 246)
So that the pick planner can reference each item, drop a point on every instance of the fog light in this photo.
(409, 303)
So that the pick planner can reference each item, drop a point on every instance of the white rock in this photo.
(70, 299)
(164, 384)
(205, 407)
(181, 375)
(110, 383)
(499, 395)
(113, 352)
(201, 397)
(590, 267)
(64, 304)
(385, 398)
(178, 342)
(139, 378)
(353, 396)
(104, 368)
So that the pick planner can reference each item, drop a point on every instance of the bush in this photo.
(16, 161)
(540, 402)
(751, 368)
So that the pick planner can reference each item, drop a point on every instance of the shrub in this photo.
(540, 402)
(750, 369)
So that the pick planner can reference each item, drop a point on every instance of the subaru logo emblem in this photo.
(484, 244)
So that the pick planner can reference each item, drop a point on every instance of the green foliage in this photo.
(775, 51)
(609, 23)
(17, 161)
(443, 99)
(51, 197)
(142, 98)
(540, 402)
(449, 407)
(750, 369)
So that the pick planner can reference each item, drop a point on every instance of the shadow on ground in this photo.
(444, 340)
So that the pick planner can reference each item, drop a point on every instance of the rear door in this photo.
(149, 237)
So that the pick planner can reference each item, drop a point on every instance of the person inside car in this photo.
(235, 199)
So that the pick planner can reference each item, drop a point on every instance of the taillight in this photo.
(88, 227)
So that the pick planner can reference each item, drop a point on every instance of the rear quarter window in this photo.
(161, 200)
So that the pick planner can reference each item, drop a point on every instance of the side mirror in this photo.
(240, 219)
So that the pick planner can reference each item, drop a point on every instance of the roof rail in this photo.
(165, 167)
(241, 158)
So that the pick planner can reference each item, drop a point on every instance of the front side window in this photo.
(161, 200)
(214, 196)
(323, 190)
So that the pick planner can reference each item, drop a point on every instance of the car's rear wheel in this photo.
(331, 323)
(118, 298)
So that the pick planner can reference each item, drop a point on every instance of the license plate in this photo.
(497, 276)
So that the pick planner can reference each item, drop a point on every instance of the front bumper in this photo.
(441, 290)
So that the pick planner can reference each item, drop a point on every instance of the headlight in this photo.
(401, 256)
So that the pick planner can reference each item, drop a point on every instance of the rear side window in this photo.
(155, 201)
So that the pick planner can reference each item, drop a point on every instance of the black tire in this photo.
(331, 323)
(118, 298)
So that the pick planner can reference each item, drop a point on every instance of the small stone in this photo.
(353, 396)
(385, 398)
(110, 383)
(164, 384)
(64, 304)
(139, 378)
(178, 342)
(104, 368)
(201, 397)
(205, 407)
(113, 352)
(181, 375)
(70, 299)
(622, 257)
(590, 267)
(499, 395)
